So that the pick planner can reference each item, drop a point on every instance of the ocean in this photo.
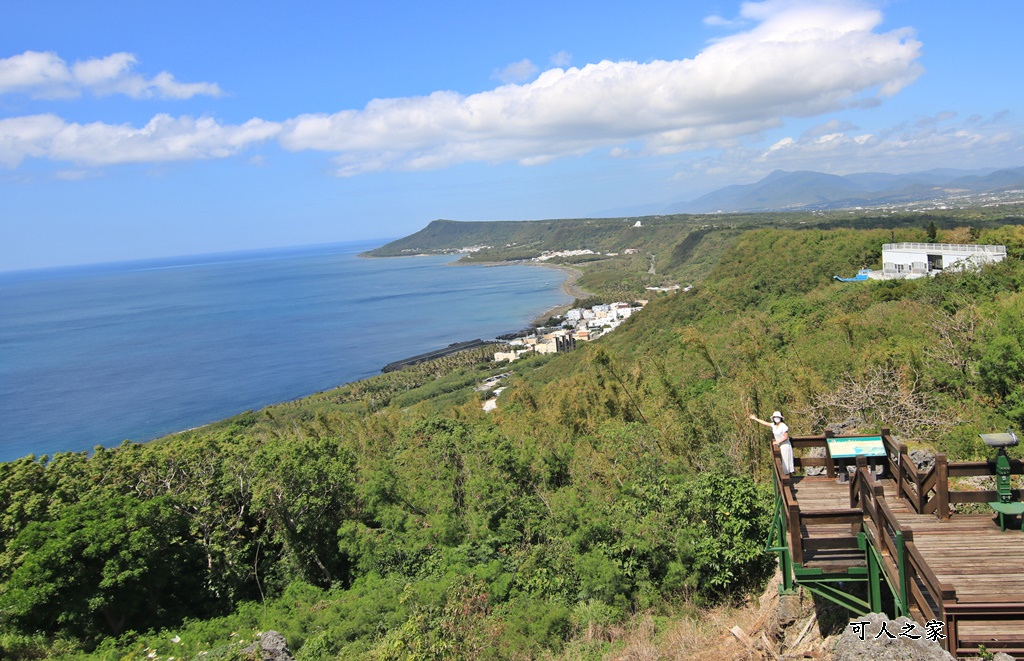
(95, 355)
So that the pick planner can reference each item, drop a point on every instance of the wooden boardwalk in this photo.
(893, 531)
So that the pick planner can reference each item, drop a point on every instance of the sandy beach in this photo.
(570, 286)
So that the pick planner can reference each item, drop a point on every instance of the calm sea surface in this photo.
(95, 355)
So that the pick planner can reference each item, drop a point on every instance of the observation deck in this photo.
(889, 527)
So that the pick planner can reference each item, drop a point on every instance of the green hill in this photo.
(392, 517)
(516, 240)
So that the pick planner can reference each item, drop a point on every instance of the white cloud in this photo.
(164, 138)
(717, 21)
(561, 59)
(795, 58)
(100, 71)
(516, 72)
(23, 137)
(43, 74)
(46, 75)
(903, 148)
(799, 59)
(831, 126)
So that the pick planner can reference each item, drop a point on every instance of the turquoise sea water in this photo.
(95, 355)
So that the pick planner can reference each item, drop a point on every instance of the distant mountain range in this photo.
(808, 191)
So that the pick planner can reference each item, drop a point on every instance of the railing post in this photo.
(874, 579)
(901, 489)
(888, 459)
(785, 561)
(830, 466)
(862, 462)
(855, 498)
(901, 563)
(942, 486)
(922, 496)
(795, 535)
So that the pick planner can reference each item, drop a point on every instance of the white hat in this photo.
(776, 414)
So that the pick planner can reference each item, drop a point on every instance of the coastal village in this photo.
(578, 325)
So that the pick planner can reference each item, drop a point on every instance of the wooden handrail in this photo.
(927, 482)
(888, 517)
(791, 505)
(891, 528)
(916, 477)
(855, 480)
(972, 468)
(986, 496)
(941, 592)
(884, 530)
(937, 479)
(893, 452)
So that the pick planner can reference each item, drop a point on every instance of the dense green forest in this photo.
(393, 518)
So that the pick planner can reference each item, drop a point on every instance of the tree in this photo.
(106, 565)
(303, 490)
(1001, 367)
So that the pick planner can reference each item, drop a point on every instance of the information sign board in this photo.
(868, 446)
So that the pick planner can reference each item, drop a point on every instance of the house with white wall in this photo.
(903, 260)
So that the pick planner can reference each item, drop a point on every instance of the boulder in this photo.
(272, 646)
(816, 453)
(864, 640)
(922, 459)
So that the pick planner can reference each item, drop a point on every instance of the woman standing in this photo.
(781, 432)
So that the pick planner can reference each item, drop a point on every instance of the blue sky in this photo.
(133, 130)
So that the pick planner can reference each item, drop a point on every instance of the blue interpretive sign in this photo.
(852, 446)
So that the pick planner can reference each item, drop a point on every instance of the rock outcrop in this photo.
(869, 642)
(272, 646)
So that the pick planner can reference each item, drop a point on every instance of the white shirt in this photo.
(780, 429)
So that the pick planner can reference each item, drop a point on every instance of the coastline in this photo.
(571, 287)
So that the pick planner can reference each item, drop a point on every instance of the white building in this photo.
(509, 355)
(917, 259)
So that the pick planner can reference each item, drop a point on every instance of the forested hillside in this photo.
(393, 518)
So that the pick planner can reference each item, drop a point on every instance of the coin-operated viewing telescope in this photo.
(1004, 440)
(1005, 505)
